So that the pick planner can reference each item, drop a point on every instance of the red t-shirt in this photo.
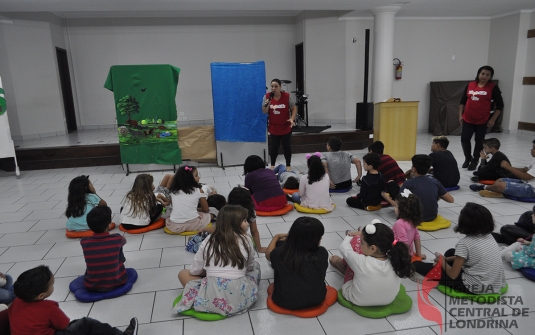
(478, 103)
(279, 114)
(43, 317)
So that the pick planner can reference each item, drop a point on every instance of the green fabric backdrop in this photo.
(146, 112)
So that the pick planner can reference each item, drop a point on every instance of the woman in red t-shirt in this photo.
(281, 111)
(474, 113)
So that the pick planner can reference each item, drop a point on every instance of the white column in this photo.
(383, 52)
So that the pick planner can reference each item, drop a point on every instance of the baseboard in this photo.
(526, 126)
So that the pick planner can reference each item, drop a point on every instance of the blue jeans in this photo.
(518, 188)
(279, 170)
(6, 292)
(296, 198)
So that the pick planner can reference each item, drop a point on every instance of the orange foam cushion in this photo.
(310, 312)
(281, 211)
(288, 191)
(487, 182)
(84, 233)
(156, 225)
(416, 259)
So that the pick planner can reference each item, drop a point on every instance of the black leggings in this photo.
(468, 129)
(153, 218)
(274, 151)
(455, 283)
(510, 233)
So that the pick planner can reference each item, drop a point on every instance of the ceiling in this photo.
(226, 8)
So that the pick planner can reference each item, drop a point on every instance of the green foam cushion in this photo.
(204, 316)
(480, 298)
(438, 223)
(401, 304)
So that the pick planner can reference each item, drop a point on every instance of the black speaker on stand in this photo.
(365, 108)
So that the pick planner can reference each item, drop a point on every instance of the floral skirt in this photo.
(220, 295)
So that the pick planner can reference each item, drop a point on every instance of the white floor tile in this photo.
(119, 311)
(266, 322)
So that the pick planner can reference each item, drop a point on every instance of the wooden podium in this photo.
(395, 124)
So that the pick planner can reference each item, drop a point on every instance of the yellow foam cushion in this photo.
(438, 223)
(302, 209)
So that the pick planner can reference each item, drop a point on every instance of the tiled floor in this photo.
(32, 229)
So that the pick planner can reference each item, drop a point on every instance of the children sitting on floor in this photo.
(521, 254)
(378, 270)
(82, 198)
(215, 203)
(372, 185)
(287, 179)
(264, 186)
(426, 188)
(103, 253)
(444, 166)
(300, 265)
(408, 215)
(186, 195)
(389, 168)
(475, 265)
(492, 169)
(314, 186)
(521, 229)
(142, 207)
(30, 313)
(338, 165)
(523, 187)
(6, 289)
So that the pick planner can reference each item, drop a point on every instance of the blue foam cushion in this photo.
(453, 188)
(529, 273)
(84, 295)
(341, 190)
(519, 199)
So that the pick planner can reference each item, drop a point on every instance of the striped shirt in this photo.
(483, 270)
(390, 169)
(103, 254)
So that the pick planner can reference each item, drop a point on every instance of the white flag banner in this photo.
(7, 147)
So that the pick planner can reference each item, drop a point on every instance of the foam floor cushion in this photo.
(204, 316)
(287, 208)
(156, 225)
(302, 209)
(341, 190)
(529, 273)
(486, 182)
(416, 259)
(311, 312)
(480, 298)
(401, 304)
(385, 203)
(453, 188)
(438, 223)
(85, 233)
(373, 208)
(84, 295)
(519, 199)
(288, 191)
(184, 233)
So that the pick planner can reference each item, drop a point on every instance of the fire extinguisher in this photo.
(399, 68)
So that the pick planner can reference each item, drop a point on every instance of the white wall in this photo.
(32, 63)
(96, 45)
(527, 109)
(426, 47)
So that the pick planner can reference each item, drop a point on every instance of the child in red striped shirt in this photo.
(103, 253)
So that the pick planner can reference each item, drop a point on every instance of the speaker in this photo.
(364, 115)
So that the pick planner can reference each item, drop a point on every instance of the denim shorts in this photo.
(518, 188)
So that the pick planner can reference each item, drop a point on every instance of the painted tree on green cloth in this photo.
(128, 105)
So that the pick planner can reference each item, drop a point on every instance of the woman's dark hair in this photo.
(398, 253)
(474, 219)
(277, 81)
(302, 244)
(372, 159)
(485, 67)
(224, 244)
(184, 180)
(241, 196)
(217, 201)
(253, 163)
(409, 209)
(316, 171)
(291, 183)
(76, 200)
(32, 282)
(99, 218)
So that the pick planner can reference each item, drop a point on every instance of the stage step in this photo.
(109, 154)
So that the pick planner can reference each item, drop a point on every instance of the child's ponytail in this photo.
(382, 237)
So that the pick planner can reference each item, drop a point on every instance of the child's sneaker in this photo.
(490, 194)
(476, 187)
(132, 327)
